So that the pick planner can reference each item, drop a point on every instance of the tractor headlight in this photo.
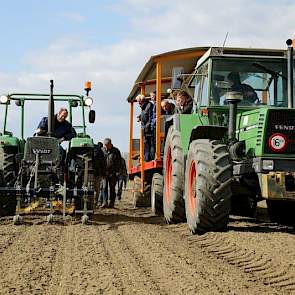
(267, 164)
(88, 101)
(3, 99)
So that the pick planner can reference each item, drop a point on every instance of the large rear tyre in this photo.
(7, 204)
(173, 202)
(141, 199)
(281, 211)
(8, 165)
(157, 194)
(208, 179)
(8, 173)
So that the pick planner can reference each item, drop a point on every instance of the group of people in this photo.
(110, 171)
(109, 168)
(182, 104)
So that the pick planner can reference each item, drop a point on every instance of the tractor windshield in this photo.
(261, 81)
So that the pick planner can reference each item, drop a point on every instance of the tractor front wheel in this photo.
(208, 179)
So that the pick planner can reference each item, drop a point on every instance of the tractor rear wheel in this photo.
(141, 199)
(8, 165)
(8, 175)
(208, 179)
(157, 194)
(281, 211)
(173, 202)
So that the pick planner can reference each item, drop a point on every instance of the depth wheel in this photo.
(17, 219)
(50, 218)
(85, 219)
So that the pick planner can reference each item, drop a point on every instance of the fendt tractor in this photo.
(34, 174)
(235, 149)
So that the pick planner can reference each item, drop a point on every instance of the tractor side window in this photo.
(204, 99)
(201, 86)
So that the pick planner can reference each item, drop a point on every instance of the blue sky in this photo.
(108, 42)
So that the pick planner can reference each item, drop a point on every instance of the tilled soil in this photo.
(130, 251)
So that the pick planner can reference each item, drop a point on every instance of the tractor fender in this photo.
(208, 132)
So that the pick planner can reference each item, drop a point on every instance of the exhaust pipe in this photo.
(290, 73)
(51, 111)
(233, 98)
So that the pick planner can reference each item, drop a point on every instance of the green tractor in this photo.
(238, 146)
(33, 172)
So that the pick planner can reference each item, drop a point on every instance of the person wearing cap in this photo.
(113, 165)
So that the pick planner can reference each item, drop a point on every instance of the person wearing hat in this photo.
(113, 166)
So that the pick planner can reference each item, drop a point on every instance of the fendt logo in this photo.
(41, 151)
(285, 127)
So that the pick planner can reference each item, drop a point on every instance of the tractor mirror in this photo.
(176, 77)
(91, 116)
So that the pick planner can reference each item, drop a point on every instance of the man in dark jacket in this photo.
(113, 165)
(184, 103)
(146, 124)
(63, 130)
(99, 172)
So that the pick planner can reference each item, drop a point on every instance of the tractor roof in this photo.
(188, 59)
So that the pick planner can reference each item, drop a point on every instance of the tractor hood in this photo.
(267, 132)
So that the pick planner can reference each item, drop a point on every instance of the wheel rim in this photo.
(192, 200)
(168, 176)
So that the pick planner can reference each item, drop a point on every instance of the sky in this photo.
(108, 43)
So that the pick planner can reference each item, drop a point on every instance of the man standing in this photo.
(145, 118)
(113, 164)
(99, 172)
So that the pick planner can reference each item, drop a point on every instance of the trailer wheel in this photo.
(173, 203)
(141, 199)
(281, 211)
(208, 179)
(157, 194)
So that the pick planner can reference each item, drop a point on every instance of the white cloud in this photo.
(73, 16)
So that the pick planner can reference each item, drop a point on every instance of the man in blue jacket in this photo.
(63, 129)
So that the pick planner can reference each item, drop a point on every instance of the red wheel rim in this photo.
(192, 200)
(168, 175)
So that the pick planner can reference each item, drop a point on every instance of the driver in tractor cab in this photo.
(63, 129)
(249, 94)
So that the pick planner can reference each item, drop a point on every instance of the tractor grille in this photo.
(46, 147)
(283, 123)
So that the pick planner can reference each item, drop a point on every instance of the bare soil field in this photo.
(130, 251)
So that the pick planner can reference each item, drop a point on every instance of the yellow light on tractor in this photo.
(88, 101)
(3, 99)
